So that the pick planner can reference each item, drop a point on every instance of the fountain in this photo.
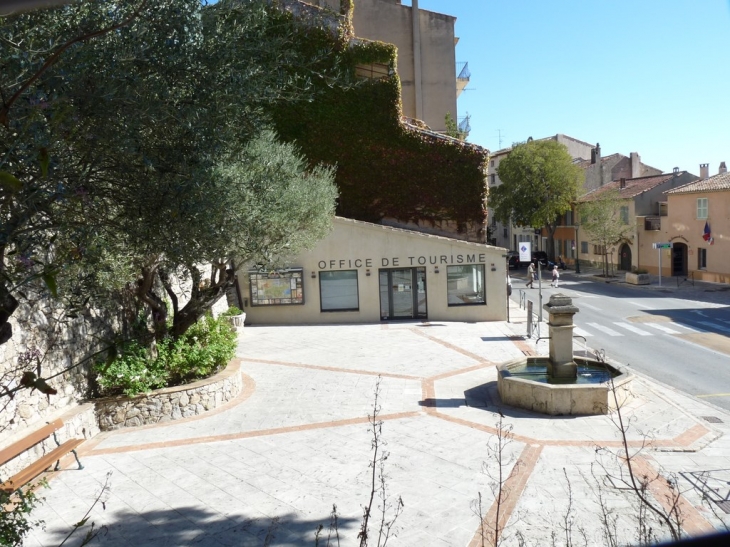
(562, 384)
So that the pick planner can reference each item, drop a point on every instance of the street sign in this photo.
(661, 245)
(525, 251)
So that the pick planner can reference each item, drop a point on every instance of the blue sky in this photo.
(647, 76)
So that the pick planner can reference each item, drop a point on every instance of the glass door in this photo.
(403, 293)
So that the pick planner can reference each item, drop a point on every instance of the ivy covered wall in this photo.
(385, 168)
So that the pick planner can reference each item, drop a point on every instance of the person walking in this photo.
(556, 276)
(530, 275)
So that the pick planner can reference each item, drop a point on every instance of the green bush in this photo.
(231, 311)
(203, 350)
(131, 372)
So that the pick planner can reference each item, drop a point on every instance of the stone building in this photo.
(427, 64)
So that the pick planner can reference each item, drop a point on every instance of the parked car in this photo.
(541, 257)
(513, 260)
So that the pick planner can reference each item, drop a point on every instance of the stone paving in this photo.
(267, 467)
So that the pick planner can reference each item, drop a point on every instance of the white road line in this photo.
(642, 306)
(580, 332)
(605, 329)
(632, 328)
(662, 327)
(714, 326)
(692, 329)
(591, 307)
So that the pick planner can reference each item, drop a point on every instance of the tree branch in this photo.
(5, 110)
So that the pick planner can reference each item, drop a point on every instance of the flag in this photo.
(707, 236)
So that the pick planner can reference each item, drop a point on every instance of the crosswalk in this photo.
(615, 328)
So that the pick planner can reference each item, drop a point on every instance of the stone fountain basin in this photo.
(562, 399)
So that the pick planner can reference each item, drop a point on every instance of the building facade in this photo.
(640, 198)
(366, 273)
(426, 46)
(696, 224)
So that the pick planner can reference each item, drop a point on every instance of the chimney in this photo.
(635, 165)
(596, 154)
(676, 171)
(704, 171)
(723, 168)
(622, 183)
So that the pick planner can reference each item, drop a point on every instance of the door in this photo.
(679, 259)
(403, 293)
(624, 258)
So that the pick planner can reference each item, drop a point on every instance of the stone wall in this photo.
(59, 342)
(172, 403)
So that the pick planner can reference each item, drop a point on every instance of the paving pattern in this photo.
(268, 467)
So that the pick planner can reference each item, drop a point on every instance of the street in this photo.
(680, 339)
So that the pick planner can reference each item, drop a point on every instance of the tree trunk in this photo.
(8, 305)
(201, 301)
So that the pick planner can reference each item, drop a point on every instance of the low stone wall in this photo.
(172, 403)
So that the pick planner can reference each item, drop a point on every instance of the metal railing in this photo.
(462, 71)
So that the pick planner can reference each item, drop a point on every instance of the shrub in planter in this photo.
(203, 350)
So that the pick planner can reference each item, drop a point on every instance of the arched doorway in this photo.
(679, 259)
(624, 257)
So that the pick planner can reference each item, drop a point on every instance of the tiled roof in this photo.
(712, 184)
(585, 163)
(633, 187)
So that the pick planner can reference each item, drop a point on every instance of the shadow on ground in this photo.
(193, 526)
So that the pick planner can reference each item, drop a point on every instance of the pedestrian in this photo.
(556, 276)
(530, 275)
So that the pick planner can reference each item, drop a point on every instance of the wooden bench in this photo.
(17, 481)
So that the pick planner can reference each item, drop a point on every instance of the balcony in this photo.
(464, 126)
(652, 224)
(462, 77)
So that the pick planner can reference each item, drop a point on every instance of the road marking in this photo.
(662, 328)
(632, 328)
(692, 329)
(605, 329)
(584, 305)
(642, 306)
(580, 332)
(714, 326)
(713, 395)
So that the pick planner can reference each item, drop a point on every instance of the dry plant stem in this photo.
(376, 429)
(93, 531)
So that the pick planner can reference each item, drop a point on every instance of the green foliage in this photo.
(384, 168)
(112, 157)
(203, 350)
(600, 217)
(15, 517)
(231, 312)
(132, 372)
(539, 183)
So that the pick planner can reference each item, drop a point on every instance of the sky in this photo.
(646, 76)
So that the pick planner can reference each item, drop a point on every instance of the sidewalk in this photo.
(275, 460)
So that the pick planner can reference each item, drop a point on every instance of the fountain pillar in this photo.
(560, 327)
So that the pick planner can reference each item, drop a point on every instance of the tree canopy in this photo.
(539, 183)
(134, 145)
(603, 222)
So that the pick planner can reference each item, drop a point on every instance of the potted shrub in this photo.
(638, 276)
(235, 316)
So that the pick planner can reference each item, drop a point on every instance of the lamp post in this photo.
(577, 250)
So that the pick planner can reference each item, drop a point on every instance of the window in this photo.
(624, 211)
(492, 179)
(276, 288)
(465, 285)
(701, 259)
(599, 249)
(701, 207)
(492, 163)
(338, 291)
(569, 218)
(584, 247)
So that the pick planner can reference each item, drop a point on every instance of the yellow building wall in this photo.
(366, 248)
(681, 225)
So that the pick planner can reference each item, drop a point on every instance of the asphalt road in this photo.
(682, 340)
